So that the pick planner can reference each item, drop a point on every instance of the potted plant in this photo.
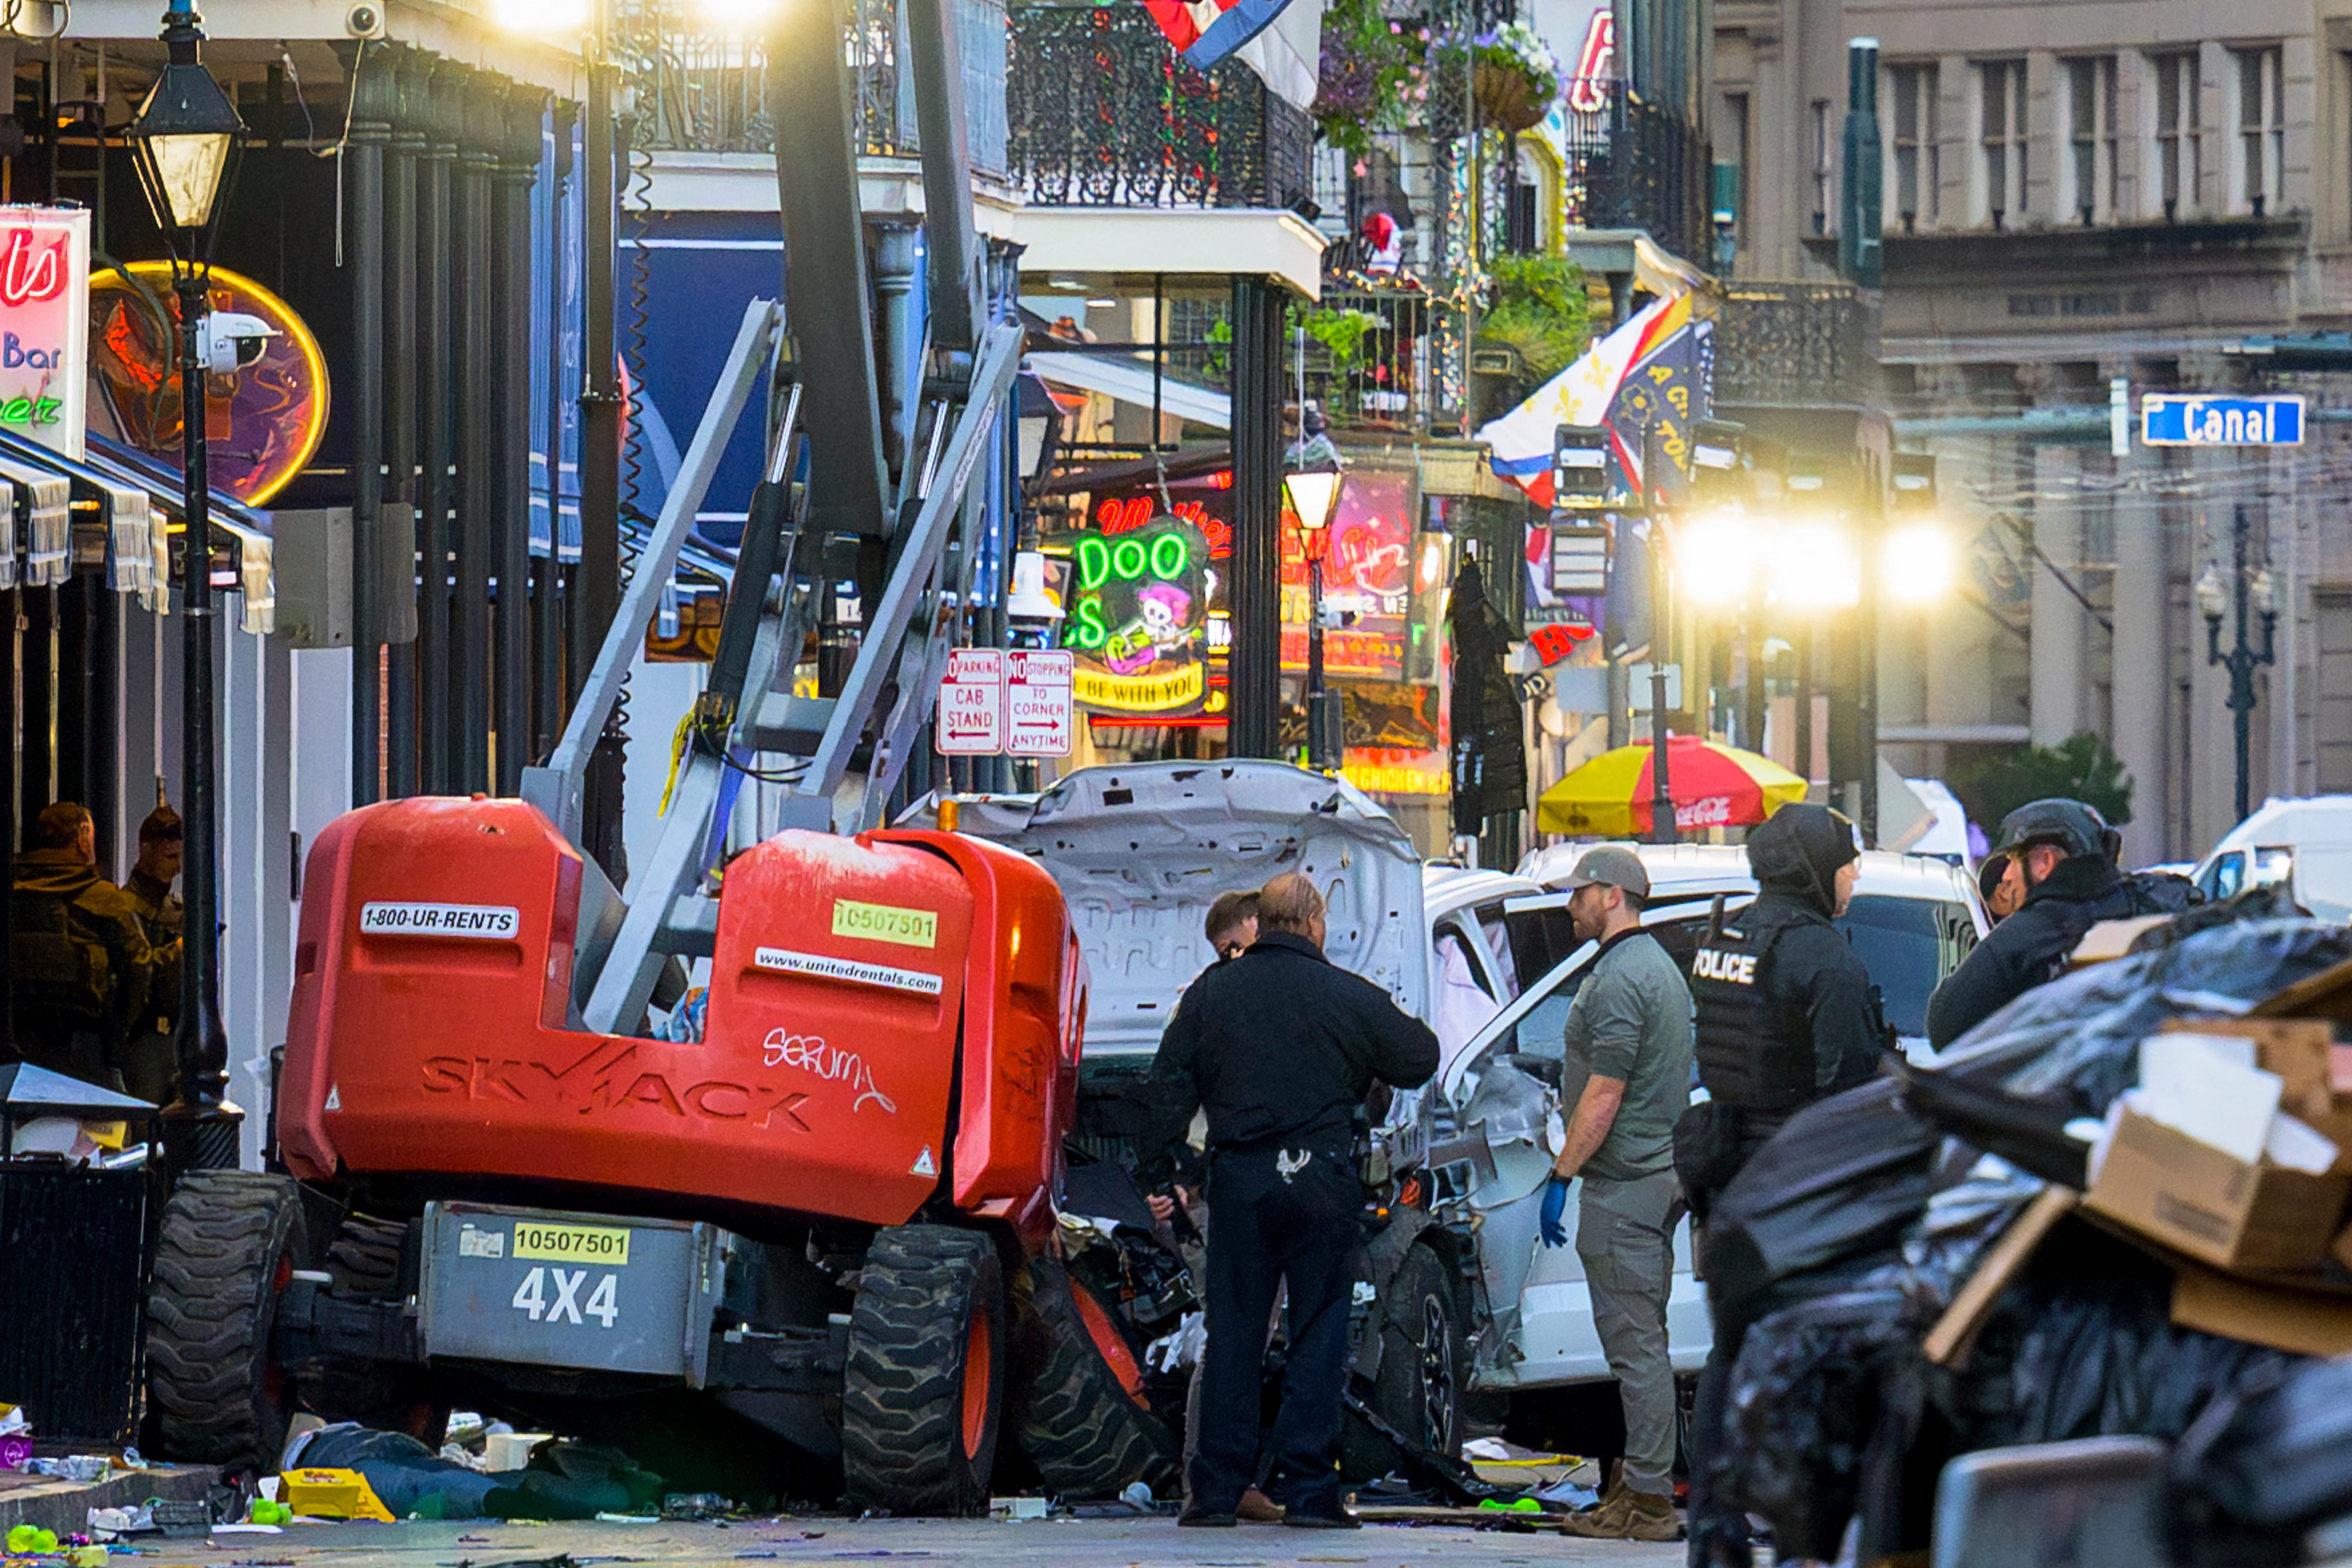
(1514, 78)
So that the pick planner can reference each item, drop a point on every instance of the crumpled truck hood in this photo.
(1142, 851)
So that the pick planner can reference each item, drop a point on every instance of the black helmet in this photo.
(2069, 824)
(1800, 849)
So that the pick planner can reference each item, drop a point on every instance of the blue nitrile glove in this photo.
(1555, 1205)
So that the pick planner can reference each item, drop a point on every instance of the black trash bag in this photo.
(2274, 903)
(1842, 1179)
(2028, 1134)
(2075, 1043)
(1803, 1407)
(2265, 1464)
(2081, 1344)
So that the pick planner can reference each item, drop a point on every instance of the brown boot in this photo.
(1628, 1516)
(1256, 1508)
(1650, 1516)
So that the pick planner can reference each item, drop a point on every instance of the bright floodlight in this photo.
(1918, 563)
(1814, 568)
(1715, 556)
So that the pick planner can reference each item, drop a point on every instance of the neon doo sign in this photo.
(1139, 613)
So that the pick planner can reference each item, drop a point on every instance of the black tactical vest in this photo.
(1755, 1049)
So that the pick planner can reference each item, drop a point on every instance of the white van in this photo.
(2306, 844)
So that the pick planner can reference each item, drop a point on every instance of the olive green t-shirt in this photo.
(1631, 1020)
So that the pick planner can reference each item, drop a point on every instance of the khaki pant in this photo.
(1624, 1234)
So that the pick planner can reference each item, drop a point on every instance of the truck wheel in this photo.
(922, 1393)
(1419, 1388)
(363, 1260)
(226, 1247)
(1086, 1423)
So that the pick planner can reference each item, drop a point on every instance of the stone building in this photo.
(2074, 195)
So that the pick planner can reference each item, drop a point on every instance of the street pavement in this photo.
(822, 1541)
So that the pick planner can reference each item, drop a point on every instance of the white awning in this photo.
(1130, 382)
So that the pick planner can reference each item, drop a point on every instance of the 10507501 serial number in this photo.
(572, 1243)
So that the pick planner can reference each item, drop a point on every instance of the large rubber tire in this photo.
(229, 1243)
(364, 1261)
(1085, 1422)
(1419, 1388)
(924, 1390)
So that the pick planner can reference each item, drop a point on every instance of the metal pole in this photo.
(1316, 757)
(400, 394)
(436, 364)
(369, 86)
(201, 1124)
(478, 406)
(549, 702)
(1255, 660)
(1663, 829)
(2242, 670)
(599, 578)
(518, 161)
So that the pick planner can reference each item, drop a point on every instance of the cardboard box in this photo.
(2110, 940)
(2262, 1313)
(2199, 1201)
(2302, 1051)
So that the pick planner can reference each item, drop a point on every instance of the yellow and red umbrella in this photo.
(1713, 786)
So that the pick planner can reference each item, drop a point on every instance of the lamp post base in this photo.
(208, 1140)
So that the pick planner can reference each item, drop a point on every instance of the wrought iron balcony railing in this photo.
(1371, 356)
(1632, 165)
(1792, 343)
(700, 92)
(1104, 115)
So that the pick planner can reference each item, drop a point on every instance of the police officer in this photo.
(149, 1067)
(2065, 854)
(1279, 1047)
(80, 963)
(1787, 1017)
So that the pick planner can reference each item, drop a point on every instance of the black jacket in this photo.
(1280, 1047)
(2031, 947)
(1815, 988)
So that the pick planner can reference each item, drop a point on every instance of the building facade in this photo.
(2077, 196)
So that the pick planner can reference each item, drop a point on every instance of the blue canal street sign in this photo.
(2180, 419)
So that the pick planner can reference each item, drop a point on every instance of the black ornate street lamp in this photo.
(2254, 593)
(1314, 495)
(185, 142)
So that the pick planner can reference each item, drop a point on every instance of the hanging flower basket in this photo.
(1508, 95)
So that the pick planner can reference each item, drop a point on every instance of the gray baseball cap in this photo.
(1610, 865)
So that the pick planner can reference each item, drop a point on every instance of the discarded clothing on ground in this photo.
(563, 1480)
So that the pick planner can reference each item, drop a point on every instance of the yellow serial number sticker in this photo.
(572, 1243)
(882, 922)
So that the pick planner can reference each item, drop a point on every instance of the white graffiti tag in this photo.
(812, 1054)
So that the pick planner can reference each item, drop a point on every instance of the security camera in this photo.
(363, 22)
(233, 342)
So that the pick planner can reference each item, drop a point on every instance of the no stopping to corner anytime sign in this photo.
(2181, 419)
(994, 701)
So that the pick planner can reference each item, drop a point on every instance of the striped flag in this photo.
(1206, 31)
(1593, 390)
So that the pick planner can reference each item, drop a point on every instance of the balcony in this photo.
(702, 91)
(1102, 114)
(1633, 164)
(1793, 344)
